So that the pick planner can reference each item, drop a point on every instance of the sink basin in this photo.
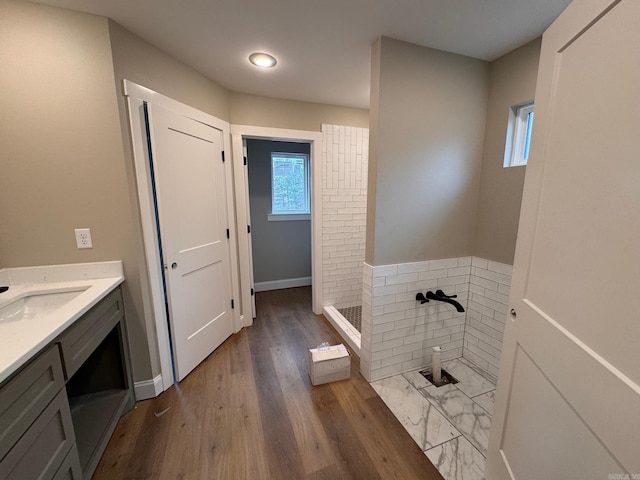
(34, 305)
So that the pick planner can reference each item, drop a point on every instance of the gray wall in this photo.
(281, 250)
(136, 60)
(279, 113)
(428, 110)
(62, 154)
(512, 80)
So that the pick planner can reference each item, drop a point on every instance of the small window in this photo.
(518, 135)
(290, 184)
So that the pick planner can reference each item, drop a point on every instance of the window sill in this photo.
(286, 217)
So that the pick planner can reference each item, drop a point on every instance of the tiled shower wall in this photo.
(489, 287)
(345, 157)
(398, 332)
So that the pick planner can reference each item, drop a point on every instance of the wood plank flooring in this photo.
(249, 411)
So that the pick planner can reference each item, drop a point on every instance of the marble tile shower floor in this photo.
(451, 423)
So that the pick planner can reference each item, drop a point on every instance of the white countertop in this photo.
(21, 340)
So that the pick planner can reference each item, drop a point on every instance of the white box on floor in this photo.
(329, 364)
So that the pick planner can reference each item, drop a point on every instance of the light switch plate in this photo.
(83, 238)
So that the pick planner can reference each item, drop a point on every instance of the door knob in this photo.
(174, 265)
(513, 312)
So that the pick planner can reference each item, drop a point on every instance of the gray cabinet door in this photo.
(27, 394)
(41, 450)
(70, 468)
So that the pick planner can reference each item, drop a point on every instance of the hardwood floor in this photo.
(249, 411)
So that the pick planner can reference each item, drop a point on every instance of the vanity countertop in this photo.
(22, 338)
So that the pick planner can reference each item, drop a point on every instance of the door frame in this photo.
(243, 132)
(136, 95)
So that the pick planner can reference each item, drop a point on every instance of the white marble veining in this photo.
(417, 380)
(419, 417)
(470, 381)
(466, 415)
(20, 340)
(486, 401)
(457, 459)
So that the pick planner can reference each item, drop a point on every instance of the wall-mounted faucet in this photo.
(441, 297)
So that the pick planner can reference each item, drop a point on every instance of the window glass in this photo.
(519, 135)
(289, 183)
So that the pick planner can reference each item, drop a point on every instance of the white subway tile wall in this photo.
(345, 157)
(398, 332)
(489, 287)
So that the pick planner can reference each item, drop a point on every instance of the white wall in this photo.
(345, 157)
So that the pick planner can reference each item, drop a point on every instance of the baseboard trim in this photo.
(148, 388)
(280, 284)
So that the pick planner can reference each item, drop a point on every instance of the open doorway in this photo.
(280, 213)
(313, 140)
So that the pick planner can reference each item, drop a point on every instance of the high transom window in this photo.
(519, 135)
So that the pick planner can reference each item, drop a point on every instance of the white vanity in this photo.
(65, 376)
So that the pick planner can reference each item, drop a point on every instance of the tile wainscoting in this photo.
(487, 308)
(398, 332)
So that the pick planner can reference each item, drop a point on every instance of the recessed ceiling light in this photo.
(263, 60)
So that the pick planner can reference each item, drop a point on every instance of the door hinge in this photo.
(228, 237)
(252, 292)
(232, 304)
(245, 160)
(248, 228)
(222, 156)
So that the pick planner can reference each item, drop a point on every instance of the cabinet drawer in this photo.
(70, 468)
(27, 394)
(82, 338)
(41, 450)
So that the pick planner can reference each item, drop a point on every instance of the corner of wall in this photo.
(512, 80)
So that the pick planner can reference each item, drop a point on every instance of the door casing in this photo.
(238, 133)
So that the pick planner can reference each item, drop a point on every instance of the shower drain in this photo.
(445, 377)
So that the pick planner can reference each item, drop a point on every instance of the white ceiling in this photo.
(323, 47)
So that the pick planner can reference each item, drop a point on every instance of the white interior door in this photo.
(568, 401)
(190, 192)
